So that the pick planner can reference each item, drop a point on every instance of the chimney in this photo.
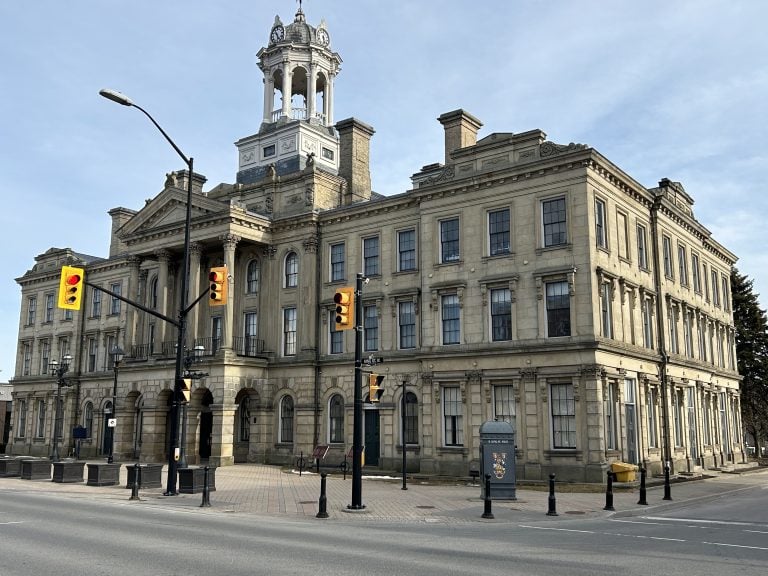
(119, 217)
(460, 130)
(354, 158)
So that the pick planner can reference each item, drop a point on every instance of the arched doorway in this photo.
(107, 431)
(371, 437)
(206, 426)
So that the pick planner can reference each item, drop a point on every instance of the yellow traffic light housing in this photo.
(375, 389)
(71, 286)
(185, 388)
(218, 280)
(345, 308)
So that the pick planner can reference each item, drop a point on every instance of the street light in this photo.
(117, 357)
(58, 370)
(173, 452)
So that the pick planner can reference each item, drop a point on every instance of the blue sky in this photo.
(663, 89)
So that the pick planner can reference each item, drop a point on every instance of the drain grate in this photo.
(426, 507)
(306, 502)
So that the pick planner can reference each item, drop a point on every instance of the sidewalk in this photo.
(259, 489)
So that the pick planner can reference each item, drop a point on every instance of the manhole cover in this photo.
(306, 502)
(426, 507)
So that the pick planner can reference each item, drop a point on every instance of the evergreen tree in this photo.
(752, 356)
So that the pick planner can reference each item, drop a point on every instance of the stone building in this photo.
(518, 279)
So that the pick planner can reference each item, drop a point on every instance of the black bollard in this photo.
(206, 489)
(667, 492)
(552, 511)
(609, 493)
(317, 465)
(344, 466)
(322, 504)
(136, 480)
(642, 501)
(487, 501)
(300, 463)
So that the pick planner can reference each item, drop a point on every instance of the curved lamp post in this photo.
(117, 357)
(58, 370)
(174, 451)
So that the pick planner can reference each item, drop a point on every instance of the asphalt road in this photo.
(48, 534)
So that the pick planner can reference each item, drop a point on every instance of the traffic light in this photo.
(345, 308)
(218, 280)
(71, 287)
(185, 388)
(375, 389)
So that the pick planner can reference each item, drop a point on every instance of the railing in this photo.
(249, 346)
(140, 351)
(211, 345)
(298, 114)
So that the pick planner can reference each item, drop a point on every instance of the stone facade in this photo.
(519, 279)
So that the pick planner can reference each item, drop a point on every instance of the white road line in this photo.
(736, 546)
(697, 521)
(6, 523)
(557, 529)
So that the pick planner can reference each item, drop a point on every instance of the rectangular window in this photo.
(31, 310)
(449, 240)
(651, 411)
(707, 421)
(68, 314)
(688, 334)
(498, 232)
(682, 263)
(289, 331)
(95, 303)
(21, 429)
(558, 309)
(328, 153)
(111, 344)
(452, 416)
(337, 262)
(621, 231)
(647, 323)
(601, 236)
(563, 416)
(610, 417)
(715, 289)
(27, 358)
(40, 425)
(642, 247)
(335, 337)
(216, 324)
(250, 333)
(268, 151)
(93, 350)
(450, 319)
(673, 346)
(606, 316)
(725, 293)
(406, 250)
(553, 216)
(411, 419)
(705, 280)
(371, 256)
(49, 307)
(504, 404)
(371, 328)
(666, 243)
(114, 305)
(501, 314)
(695, 278)
(677, 416)
(702, 338)
(45, 356)
(407, 324)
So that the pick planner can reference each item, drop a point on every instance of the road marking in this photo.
(697, 521)
(6, 523)
(557, 529)
(736, 546)
(755, 531)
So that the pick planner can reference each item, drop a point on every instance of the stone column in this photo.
(163, 259)
(312, 91)
(287, 74)
(328, 100)
(230, 242)
(530, 409)
(269, 96)
(222, 435)
(193, 318)
(132, 313)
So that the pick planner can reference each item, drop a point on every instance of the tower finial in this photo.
(299, 13)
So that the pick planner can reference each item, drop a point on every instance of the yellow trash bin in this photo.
(624, 472)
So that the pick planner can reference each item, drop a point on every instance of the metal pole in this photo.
(357, 436)
(57, 420)
(609, 493)
(487, 512)
(667, 493)
(136, 482)
(405, 383)
(206, 488)
(322, 504)
(111, 457)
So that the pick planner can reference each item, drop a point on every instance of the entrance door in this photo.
(630, 419)
(108, 432)
(206, 430)
(371, 438)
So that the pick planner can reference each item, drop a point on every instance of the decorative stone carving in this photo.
(551, 149)
(310, 245)
(270, 251)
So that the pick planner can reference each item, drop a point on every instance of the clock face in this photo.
(277, 34)
(322, 37)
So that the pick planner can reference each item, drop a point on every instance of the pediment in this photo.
(169, 210)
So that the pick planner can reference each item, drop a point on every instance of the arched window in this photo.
(252, 277)
(411, 419)
(286, 420)
(88, 419)
(153, 293)
(336, 419)
(245, 419)
(291, 270)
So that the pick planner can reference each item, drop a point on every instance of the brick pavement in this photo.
(260, 489)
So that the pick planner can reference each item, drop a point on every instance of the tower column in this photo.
(312, 83)
(269, 97)
(132, 313)
(163, 259)
(328, 101)
(287, 74)
(195, 249)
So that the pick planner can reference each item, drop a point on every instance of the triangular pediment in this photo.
(169, 210)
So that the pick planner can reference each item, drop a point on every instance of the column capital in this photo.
(229, 240)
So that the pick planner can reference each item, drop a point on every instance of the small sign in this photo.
(319, 452)
(112, 422)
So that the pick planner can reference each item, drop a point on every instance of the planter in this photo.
(149, 476)
(10, 467)
(35, 469)
(68, 471)
(103, 474)
(191, 480)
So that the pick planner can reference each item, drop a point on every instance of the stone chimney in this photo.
(119, 217)
(354, 158)
(460, 131)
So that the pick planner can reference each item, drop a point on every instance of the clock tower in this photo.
(297, 128)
